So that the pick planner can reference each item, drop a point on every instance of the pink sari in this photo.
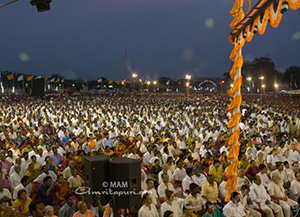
(22, 207)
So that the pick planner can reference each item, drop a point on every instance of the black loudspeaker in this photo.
(96, 175)
(38, 87)
(125, 182)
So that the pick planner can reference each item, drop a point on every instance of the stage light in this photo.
(41, 5)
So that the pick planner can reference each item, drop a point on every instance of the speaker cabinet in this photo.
(38, 87)
(125, 182)
(96, 173)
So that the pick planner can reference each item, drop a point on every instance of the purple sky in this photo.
(171, 38)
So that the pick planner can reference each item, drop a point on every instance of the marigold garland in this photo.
(272, 13)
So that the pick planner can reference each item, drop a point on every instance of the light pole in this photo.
(148, 83)
(142, 84)
(276, 87)
(249, 79)
(261, 78)
(154, 88)
(188, 78)
(262, 90)
(134, 76)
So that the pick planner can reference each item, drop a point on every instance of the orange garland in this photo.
(234, 107)
(235, 74)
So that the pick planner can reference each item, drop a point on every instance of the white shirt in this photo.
(224, 148)
(241, 182)
(264, 179)
(276, 189)
(162, 188)
(258, 193)
(174, 208)
(295, 156)
(295, 189)
(233, 210)
(147, 156)
(200, 180)
(15, 179)
(282, 174)
(153, 193)
(160, 175)
(222, 189)
(134, 156)
(28, 189)
(6, 193)
(179, 174)
(148, 212)
(186, 183)
(165, 157)
(41, 177)
(181, 144)
(67, 173)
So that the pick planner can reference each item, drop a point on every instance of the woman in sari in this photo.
(61, 188)
(22, 203)
(31, 172)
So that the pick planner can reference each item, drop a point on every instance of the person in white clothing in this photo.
(179, 173)
(199, 178)
(259, 194)
(15, 178)
(263, 175)
(148, 209)
(241, 179)
(165, 169)
(234, 208)
(163, 186)
(148, 155)
(222, 189)
(133, 154)
(170, 204)
(152, 191)
(25, 184)
(294, 154)
(295, 187)
(277, 192)
(188, 180)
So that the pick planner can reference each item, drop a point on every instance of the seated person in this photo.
(210, 191)
(277, 191)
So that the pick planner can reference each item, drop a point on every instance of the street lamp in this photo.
(188, 77)
(276, 85)
(249, 79)
(134, 75)
(231, 85)
(155, 83)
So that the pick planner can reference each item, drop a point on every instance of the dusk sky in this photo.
(88, 39)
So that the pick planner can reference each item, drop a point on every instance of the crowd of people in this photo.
(181, 141)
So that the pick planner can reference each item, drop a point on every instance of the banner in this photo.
(30, 78)
(10, 77)
(20, 78)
